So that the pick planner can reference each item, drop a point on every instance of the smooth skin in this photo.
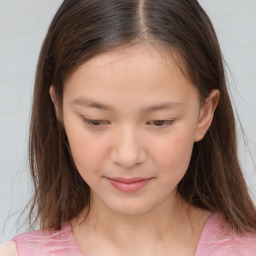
(132, 113)
(8, 249)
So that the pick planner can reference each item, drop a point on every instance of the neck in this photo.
(169, 220)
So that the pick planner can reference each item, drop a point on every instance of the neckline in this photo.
(76, 249)
(205, 229)
(198, 247)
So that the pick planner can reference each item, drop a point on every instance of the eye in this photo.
(160, 123)
(94, 122)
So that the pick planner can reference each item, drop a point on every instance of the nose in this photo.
(127, 150)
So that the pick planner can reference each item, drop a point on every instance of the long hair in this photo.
(80, 30)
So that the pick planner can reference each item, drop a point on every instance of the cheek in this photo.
(174, 153)
(86, 152)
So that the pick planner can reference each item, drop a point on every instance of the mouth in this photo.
(131, 185)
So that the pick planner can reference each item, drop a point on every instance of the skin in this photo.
(131, 137)
(131, 142)
(8, 249)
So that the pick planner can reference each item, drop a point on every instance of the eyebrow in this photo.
(88, 103)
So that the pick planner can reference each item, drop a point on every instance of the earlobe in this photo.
(207, 114)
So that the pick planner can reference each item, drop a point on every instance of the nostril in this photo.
(128, 159)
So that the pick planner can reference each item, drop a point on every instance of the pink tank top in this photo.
(216, 240)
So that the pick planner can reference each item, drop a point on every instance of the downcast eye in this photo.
(95, 122)
(160, 123)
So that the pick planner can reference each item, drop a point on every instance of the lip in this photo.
(130, 185)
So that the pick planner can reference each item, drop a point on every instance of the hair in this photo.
(82, 29)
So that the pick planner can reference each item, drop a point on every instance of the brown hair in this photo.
(82, 29)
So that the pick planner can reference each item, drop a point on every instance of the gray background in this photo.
(23, 24)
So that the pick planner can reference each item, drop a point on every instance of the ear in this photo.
(206, 114)
(54, 100)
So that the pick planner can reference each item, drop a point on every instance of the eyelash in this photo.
(155, 123)
(163, 123)
(95, 122)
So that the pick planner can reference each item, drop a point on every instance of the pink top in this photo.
(216, 240)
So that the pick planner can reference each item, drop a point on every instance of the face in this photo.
(131, 120)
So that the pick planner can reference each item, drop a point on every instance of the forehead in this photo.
(130, 72)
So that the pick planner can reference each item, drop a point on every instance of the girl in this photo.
(132, 143)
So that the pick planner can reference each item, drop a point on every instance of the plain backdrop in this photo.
(23, 25)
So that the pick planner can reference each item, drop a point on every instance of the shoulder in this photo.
(246, 243)
(46, 242)
(8, 249)
(217, 239)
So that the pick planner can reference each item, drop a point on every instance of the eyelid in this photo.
(166, 123)
(97, 123)
(93, 122)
